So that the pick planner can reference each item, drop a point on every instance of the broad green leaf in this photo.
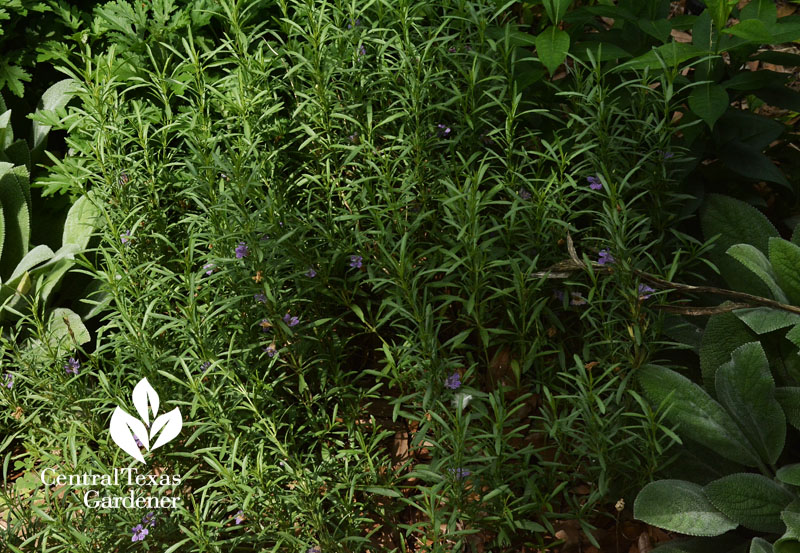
(751, 163)
(747, 390)
(789, 542)
(752, 258)
(780, 96)
(785, 259)
(752, 30)
(737, 223)
(82, 219)
(796, 236)
(723, 334)
(601, 51)
(552, 46)
(749, 129)
(760, 545)
(709, 101)
(699, 417)
(752, 500)
(794, 335)
(765, 319)
(789, 399)
(680, 506)
(789, 474)
(658, 28)
(784, 32)
(763, 10)
(6, 131)
(54, 98)
(673, 54)
(63, 320)
(16, 214)
(720, 11)
(754, 80)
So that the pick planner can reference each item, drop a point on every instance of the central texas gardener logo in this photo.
(130, 433)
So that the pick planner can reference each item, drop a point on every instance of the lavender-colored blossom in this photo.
(271, 350)
(72, 366)
(260, 298)
(125, 237)
(9, 380)
(559, 295)
(524, 194)
(594, 183)
(124, 179)
(605, 257)
(265, 325)
(205, 365)
(665, 155)
(356, 23)
(453, 381)
(291, 321)
(452, 49)
(311, 273)
(355, 261)
(239, 517)
(460, 473)
(242, 250)
(209, 268)
(139, 533)
(362, 51)
(645, 291)
(444, 130)
(138, 441)
(315, 549)
(149, 518)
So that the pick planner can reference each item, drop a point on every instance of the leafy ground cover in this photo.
(411, 281)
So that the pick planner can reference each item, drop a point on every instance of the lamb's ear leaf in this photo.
(122, 429)
(171, 423)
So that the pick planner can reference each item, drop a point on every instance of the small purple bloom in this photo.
(149, 518)
(524, 194)
(453, 381)
(353, 137)
(314, 549)
(666, 155)
(460, 473)
(559, 295)
(209, 268)
(9, 380)
(139, 533)
(125, 237)
(291, 321)
(452, 49)
(72, 366)
(205, 365)
(124, 179)
(271, 350)
(138, 441)
(594, 183)
(242, 250)
(311, 273)
(645, 291)
(260, 298)
(362, 51)
(444, 130)
(356, 23)
(355, 261)
(605, 257)
(239, 517)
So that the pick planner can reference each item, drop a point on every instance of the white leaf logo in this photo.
(131, 434)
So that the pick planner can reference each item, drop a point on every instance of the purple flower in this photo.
(666, 155)
(559, 295)
(149, 518)
(311, 273)
(125, 237)
(444, 130)
(356, 23)
(271, 350)
(362, 51)
(123, 179)
(138, 441)
(453, 381)
(353, 137)
(355, 261)
(205, 365)
(460, 473)
(594, 183)
(209, 268)
(314, 549)
(139, 533)
(452, 49)
(242, 250)
(72, 366)
(645, 291)
(605, 257)
(9, 380)
(260, 298)
(293, 321)
(524, 194)
(239, 517)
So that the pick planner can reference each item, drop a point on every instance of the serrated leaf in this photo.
(699, 417)
(747, 390)
(789, 542)
(752, 500)
(789, 399)
(760, 545)
(794, 335)
(752, 258)
(765, 319)
(789, 474)
(709, 101)
(552, 46)
(680, 506)
(785, 259)
(737, 223)
(723, 334)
